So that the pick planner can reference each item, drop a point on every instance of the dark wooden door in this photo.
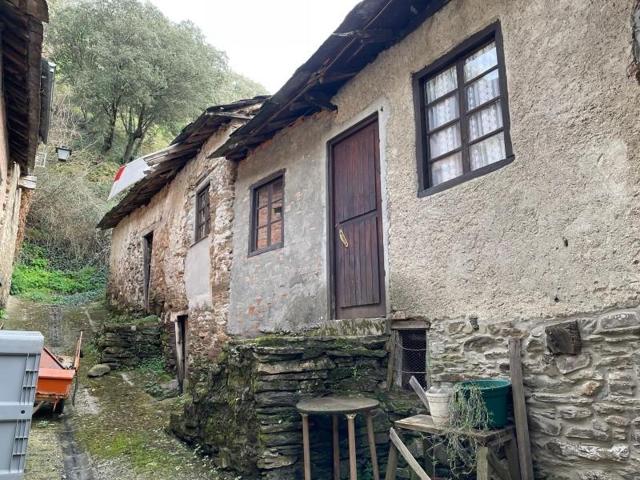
(358, 256)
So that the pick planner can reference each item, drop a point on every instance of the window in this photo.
(203, 213)
(267, 220)
(411, 357)
(464, 118)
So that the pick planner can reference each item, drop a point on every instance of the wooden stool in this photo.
(336, 406)
(486, 458)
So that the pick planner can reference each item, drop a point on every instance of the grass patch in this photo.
(137, 319)
(35, 279)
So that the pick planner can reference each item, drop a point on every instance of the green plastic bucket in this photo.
(496, 395)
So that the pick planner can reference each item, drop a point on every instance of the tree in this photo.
(133, 68)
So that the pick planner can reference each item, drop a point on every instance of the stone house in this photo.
(25, 88)
(171, 243)
(446, 174)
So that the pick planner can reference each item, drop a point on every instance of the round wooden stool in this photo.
(336, 406)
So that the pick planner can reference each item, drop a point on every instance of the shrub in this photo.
(36, 279)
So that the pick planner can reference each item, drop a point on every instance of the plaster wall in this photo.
(554, 233)
(185, 276)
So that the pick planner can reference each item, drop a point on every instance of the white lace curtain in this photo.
(443, 99)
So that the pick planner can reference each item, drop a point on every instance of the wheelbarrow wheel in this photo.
(59, 408)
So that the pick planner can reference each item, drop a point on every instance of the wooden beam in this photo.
(28, 182)
(35, 8)
(520, 409)
(320, 99)
(236, 116)
(338, 77)
(406, 454)
(415, 384)
(371, 35)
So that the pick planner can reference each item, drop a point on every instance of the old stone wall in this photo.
(187, 278)
(129, 345)
(584, 408)
(243, 410)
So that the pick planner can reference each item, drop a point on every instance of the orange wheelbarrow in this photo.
(55, 379)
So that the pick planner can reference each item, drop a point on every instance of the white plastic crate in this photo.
(19, 361)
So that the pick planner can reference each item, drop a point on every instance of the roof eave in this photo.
(348, 50)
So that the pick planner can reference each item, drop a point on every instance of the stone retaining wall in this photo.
(584, 409)
(129, 345)
(243, 409)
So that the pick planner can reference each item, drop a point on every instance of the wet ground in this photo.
(115, 430)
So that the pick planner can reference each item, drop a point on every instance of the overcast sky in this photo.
(265, 40)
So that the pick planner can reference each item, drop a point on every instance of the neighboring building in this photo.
(463, 172)
(171, 243)
(24, 102)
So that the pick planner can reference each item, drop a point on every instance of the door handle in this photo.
(343, 238)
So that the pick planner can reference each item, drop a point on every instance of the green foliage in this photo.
(133, 69)
(467, 411)
(34, 278)
(68, 203)
(136, 319)
(154, 365)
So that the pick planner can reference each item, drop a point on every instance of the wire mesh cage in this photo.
(413, 356)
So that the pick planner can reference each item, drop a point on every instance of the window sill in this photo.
(276, 246)
(195, 242)
(467, 176)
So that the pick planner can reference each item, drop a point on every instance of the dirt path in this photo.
(115, 430)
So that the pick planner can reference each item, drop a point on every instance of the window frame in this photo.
(253, 230)
(455, 57)
(198, 207)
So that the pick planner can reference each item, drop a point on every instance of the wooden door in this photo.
(358, 255)
(147, 258)
(181, 349)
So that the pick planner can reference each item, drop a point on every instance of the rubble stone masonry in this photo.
(243, 411)
(584, 409)
(186, 277)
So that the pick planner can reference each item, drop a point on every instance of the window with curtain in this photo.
(267, 219)
(464, 115)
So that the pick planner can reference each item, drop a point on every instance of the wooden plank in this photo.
(392, 464)
(520, 410)
(351, 427)
(306, 451)
(415, 384)
(511, 451)
(413, 324)
(391, 364)
(336, 448)
(406, 454)
(424, 424)
(372, 447)
(482, 463)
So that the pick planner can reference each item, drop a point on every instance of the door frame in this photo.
(359, 125)
(181, 325)
(147, 253)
